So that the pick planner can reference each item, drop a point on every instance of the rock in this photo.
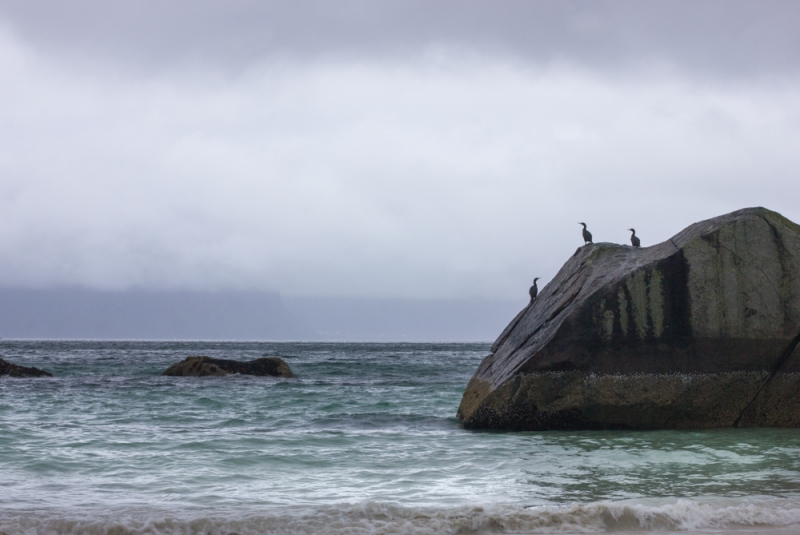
(13, 370)
(699, 331)
(200, 366)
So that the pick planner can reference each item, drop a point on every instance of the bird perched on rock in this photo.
(634, 240)
(534, 291)
(587, 236)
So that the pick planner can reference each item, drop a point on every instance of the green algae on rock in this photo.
(200, 366)
(701, 330)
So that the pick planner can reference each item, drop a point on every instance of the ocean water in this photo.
(364, 440)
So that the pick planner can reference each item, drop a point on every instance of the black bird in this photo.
(587, 236)
(634, 240)
(534, 291)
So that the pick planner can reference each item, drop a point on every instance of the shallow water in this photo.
(364, 440)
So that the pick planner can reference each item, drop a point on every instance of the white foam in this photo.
(379, 519)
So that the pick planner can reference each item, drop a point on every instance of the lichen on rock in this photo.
(698, 331)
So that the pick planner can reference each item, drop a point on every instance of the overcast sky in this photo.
(384, 149)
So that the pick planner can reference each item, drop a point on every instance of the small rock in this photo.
(201, 366)
(13, 370)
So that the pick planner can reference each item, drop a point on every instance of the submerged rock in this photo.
(14, 370)
(200, 366)
(699, 331)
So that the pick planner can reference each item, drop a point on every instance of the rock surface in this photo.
(699, 331)
(200, 366)
(14, 370)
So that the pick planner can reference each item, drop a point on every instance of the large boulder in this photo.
(699, 331)
(14, 370)
(200, 366)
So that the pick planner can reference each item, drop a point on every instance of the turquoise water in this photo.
(364, 440)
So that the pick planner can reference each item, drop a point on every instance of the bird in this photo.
(634, 240)
(534, 291)
(587, 236)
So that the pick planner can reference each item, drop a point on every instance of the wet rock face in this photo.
(14, 370)
(699, 331)
(200, 366)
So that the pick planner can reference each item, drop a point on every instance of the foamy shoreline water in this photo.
(767, 515)
(363, 441)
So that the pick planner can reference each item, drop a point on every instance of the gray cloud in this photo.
(723, 37)
(427, 150)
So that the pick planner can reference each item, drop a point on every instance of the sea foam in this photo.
(770, 515)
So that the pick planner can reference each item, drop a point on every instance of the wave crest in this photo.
(380, 519)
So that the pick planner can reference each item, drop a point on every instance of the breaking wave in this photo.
(377, 519)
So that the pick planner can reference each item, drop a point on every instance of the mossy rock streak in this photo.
(701, 330)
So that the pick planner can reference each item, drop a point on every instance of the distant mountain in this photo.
(166, 315)
(79, 313)
(405, 320)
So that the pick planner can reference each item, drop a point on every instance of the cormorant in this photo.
(587, 236)
(634, 240)
(534, 291)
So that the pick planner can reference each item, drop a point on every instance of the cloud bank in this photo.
(424, 167)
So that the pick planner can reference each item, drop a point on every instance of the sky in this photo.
(392, 149)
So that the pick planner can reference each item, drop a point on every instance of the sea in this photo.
(363, 441)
